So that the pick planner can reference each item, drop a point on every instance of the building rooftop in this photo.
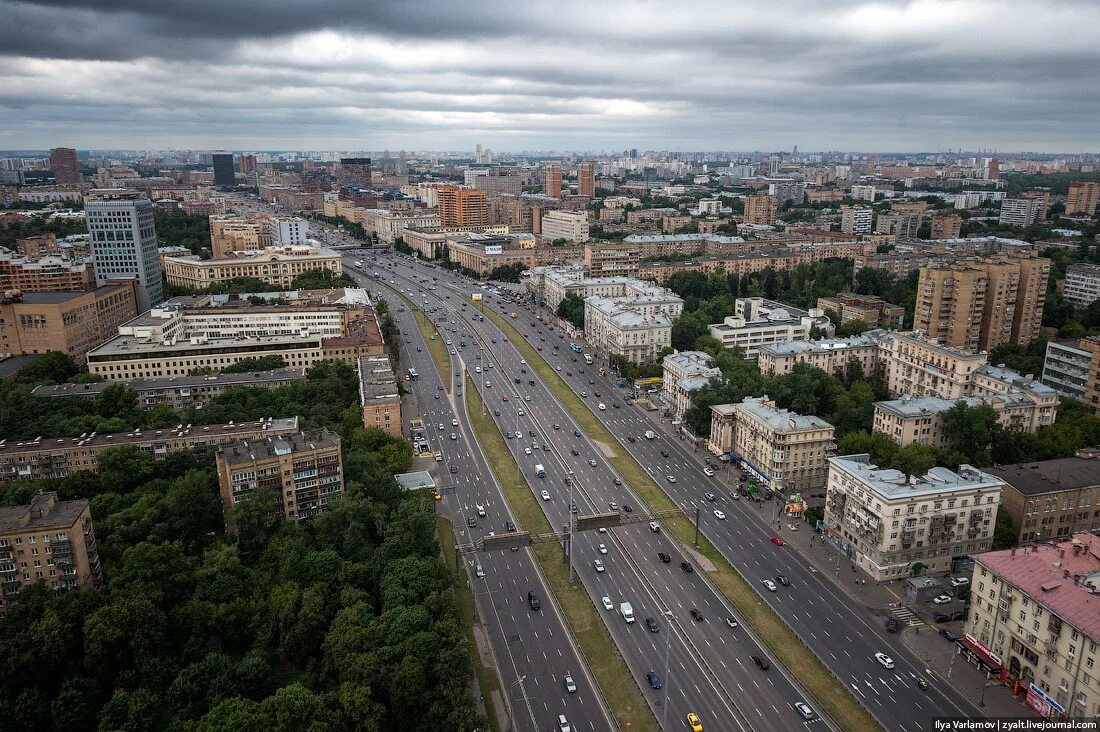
(1063, 577)
(44, 512)
(419, 480)
(171, 382)
(247, 451)
(894, 484)
(717, 238)
(780, 420)
(1050, 476)
(9, 448)
(870, 338)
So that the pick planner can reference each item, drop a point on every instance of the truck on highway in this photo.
(627, 612)
(650, 435)
(540, 471)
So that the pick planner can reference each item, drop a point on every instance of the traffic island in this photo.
(830, 693)
(619, 689)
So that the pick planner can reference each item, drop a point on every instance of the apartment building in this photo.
(229, 233)
(178, 392)
(551, 179)
(277, 265)
(460, 206)
(66, 168)
(863, 193)
(379, 396)
(586, 179)
(760, 209)
(635, 327)
(828, 354)
(919, 367)
(684, 373)
(482, 253)
(124, 241)
(1082, 284)
(757, 322)
(612, 258)
(946, 226)
(40, 459)
(550, 285)
(215, 331)
(1034, 623)
(856, 220)
(569, 225)
(47, 542)
(1068, 369)
(70, 322)
(288, 231)
(784, 450)
(892, 525)
(1021, 211)
(900, 225)
(1082, 198)
(871, 309)
(49, 273)
(304, 472)
(1052, 499)
(389, 226)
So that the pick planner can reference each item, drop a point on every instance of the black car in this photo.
(891, 625)
(782, 579)
(533, 601)
(631, 439)
(509, 526)
(471, 522)
(653, 680)
(761, 663)
(617, 481)
(454, 468)
(652, 625)
(664, 557)
(697, 615)
(686, 566)
(628, 508)
(496, 412)
(664, 453)
(574, 452)
(949, 635)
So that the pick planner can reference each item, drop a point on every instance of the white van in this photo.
(627, 612)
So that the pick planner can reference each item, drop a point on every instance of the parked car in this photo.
(941, 599)
(948, 634)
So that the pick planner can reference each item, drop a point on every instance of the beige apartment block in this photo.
(277, 266)
(892, 525)
(919, 367)
(48, 542)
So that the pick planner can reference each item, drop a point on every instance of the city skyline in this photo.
(853, 76)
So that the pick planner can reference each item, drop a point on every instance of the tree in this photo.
(1004, 532)
(572, 309)
(261, 363)
(321, 279)
(52, 367)
(507, 273)
(970, 430)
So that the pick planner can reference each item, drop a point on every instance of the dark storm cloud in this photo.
(888, 74)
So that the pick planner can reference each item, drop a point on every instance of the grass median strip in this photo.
(487, 679)
(623, 696)
(830, 694)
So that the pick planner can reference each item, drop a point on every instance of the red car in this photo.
(778, 541)
(504, 398)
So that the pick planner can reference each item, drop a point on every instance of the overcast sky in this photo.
(513, 75)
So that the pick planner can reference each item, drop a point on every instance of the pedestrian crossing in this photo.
(907, 616)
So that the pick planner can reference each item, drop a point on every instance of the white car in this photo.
(941, 599)
(708, 472)
(523, 361)
(477, 370)
(488, 385)
(481, 510)
(454, 436)
(613, 506)
(670, 478)
(607, 604)
(546, 495)
(520, 412)
(601, 406)
(602, 548)
(654, 527)
(804, 710)
(454, 423)
(885, 660)
(442, 426)
(569, 685)
(598, 565)
(719, 515)
(526, 451)
(592, 463)
(960, 581)
(770, 585)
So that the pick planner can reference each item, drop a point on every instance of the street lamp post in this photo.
(986, 685)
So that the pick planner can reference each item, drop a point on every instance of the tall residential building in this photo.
(49, 542)
(248, 164)
(1082, 199)
(1068, 369)
(1034, 624)
(903, 225)
(888, 523)
(288, 231)
(460, 206)
(124, 241)
(1020, 211)
(982, 303)
(1082, 286)
(355, 171)
(920, 367)
(856, 220)
(946, 226)
(586, 179)
(65, 167)
(760, 209)
(551, 179)
(785, 451)
(223, 170)
(304, 472)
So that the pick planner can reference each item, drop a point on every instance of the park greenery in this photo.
(506, 273)
(40, 225)
(178, 228)
(348, 621)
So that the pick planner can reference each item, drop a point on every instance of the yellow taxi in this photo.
(694, 723)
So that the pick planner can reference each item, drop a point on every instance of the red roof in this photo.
(1054, 575)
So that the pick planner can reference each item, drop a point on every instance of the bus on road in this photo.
(413, 376)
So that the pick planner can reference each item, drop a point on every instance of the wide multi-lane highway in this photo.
(709, 668)
(845, 635)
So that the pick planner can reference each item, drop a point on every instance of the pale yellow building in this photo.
(277, 266)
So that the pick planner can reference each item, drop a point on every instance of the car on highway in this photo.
(471, 522)
(454, 468)
(654, 527)
(607, 604)
(569, 685)
(601, 406)
(651, 624)
(504, 398)
(546, 495)
(563, 724)
(598, 565)
(628, 508)
(694, 723)
(941, 599)
(592, 463)
(631, 439)
(708, 472)
(778, 541)
(602, 548)
(884, 660)
(576, 433)
(670, 478)
(526, 451)
(664, 557)
(613, 505)
(698, 616)
(771, 587)
(481, 510)
(761, 663)
(584, 395)
(686, 566)
(454, 436)
(731, 622)
(653, 680)
(533, 600)
(442, 426)
(509, 526)
(804, 710)
(782, 579)
(454, 423)
(720, 515)
(710, 497)
(519, 412)
(617, 481)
